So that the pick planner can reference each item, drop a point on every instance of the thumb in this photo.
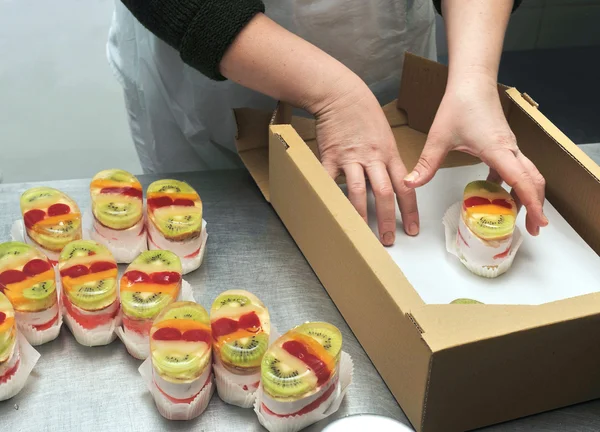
(430, 161)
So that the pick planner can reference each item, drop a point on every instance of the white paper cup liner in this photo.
(450, 221)
(188, 265)
(29, 357)
(123, 252)
(39, 337)
(329, 407)
(171, 410)
(101, 335)
(141, 349)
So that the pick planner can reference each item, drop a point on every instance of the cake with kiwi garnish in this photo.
(150, 283)
(28, 279)
(181, 354)
(51, 218)
(118, 213)
(300, 370)
(486, 227)
(10, 353)
(174, 218)
(241, 328)
(88, 274)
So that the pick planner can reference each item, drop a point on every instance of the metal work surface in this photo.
(75, 388)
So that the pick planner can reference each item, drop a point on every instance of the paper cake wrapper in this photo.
(296, 423)
(188, 265)
(29, 357)
(175, 411)
(229, 391)
(123, 252)
(450, 221)
(40, 337)
(140, 350)
(102, 335)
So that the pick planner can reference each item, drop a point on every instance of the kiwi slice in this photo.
(284, 380)
(178, 365)
(192, 312)
(116, 175)
(94, 295)
(38, 195)
(6, 344)
(492, 225)
(40, 296)
(245, 352)
(157, 260)
(485, 185)
(177, 223)
(326, 334)
(80, 248)
(144, 305)
(465, 301)
(170, 186)
(56, 237)
(9, 250)
(117, 212)
(234, 300)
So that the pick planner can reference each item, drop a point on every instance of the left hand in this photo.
(470, 119)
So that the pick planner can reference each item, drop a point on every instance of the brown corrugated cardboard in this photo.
(451, 367)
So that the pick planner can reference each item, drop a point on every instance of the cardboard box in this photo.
(450, 367)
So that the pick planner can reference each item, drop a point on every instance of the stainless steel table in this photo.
(74, 388)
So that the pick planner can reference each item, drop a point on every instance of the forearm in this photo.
(267, 58)
(475, 32)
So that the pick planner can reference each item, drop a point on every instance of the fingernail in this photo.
(546, 221)
(413, 229)
(537, 231)
(388, 238)
(412, 177)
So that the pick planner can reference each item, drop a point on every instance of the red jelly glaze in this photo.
(196, 335)
(183, 202)
(167, 334)
(46, 326)
(2, 317)
(75, 271)
(475, 201)
(36, 267)
(101, 266)
(250, 321)
(162, 201)
(317, 365)
(165, 278)
(128, 191)
(503, 254)
(193, 254)
(223, 326)
(58, 209)
(308, 408)
(183, 401)
(135, 276)
(141, 327)
(502, 203)
(88, 322)
(12, 276)
(33, 216)
(9, 373)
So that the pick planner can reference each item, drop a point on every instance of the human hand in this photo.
(470, 119)
(355, 138)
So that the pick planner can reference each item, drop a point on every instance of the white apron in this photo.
(182, 121)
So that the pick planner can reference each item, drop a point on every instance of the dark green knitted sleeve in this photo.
(200, 30)
(438, 5)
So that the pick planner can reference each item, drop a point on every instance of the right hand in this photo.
(355, 138)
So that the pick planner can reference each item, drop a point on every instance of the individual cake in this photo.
(300, 370)
(118, 213)
(175, 219)
(180, 346)
(28, 280)
(486, 226)
(240, 328)
(88, 274)
(152, 281)
(52, 219)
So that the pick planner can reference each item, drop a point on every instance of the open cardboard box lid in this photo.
(450, 367)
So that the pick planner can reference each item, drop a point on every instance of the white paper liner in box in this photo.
(98, 336)
(139, 347)
(29, 357)
(296, 423)
(231, 392)
(451, 220)
(188, 265)
(124, 252)
(39, 337)
(171, 410)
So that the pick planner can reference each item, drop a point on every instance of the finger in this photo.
(384, 202)
(517, 176)
(430, 161)
(357, 190)
(539, 184)
(407, 197)
(494, 177)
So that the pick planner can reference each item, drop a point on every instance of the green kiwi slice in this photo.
(5, 347)
(144, 305)
(80, 248)
(120, 176)
(170, 186)
(41, 296)
(178, 365)
(187, 312)
(11, 249)
(175, 225)
(94, 295)
(61, 234)
(490, 225)
(230, 299)
(465, 301)
(117, 214)
(326, 334)
(39, 194)
(245, 352)
(488, 186)
(157, 260)
(279, 379)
